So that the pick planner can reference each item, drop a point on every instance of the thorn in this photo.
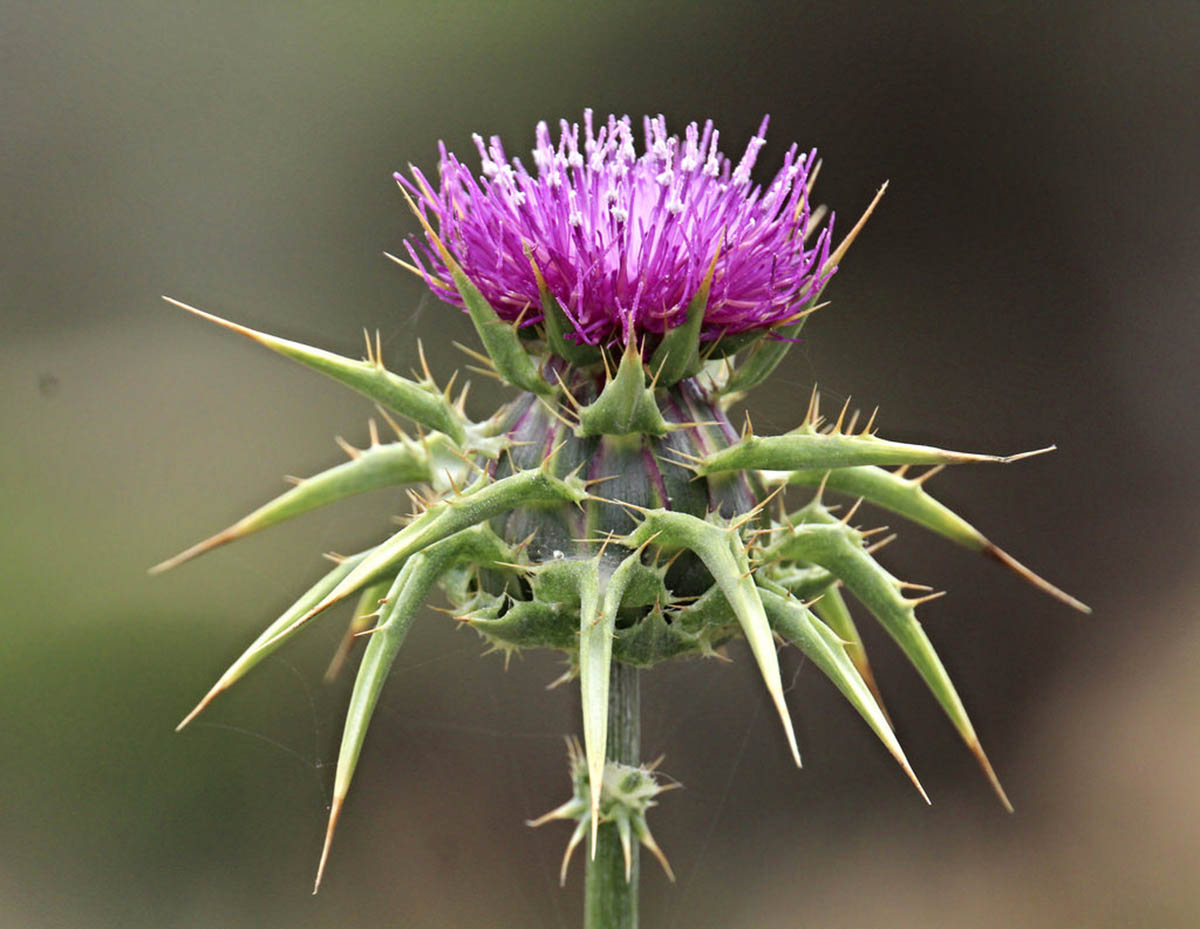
(853, 422)
(626, 847)
(516, 323)
(812, 178)
(872, 549)
(217, 688)
(866, 534)
(796, 317)
(622, 503)
(293, 480)
(567, 810)
(349, 449)
(466, 459)
(677, 462)
(600, 480)
(814, 408)
(850, 512)
(604, 544)
(564, 678)
(707, 352)
(576, 838)
(604, 358)
(685, 456)
(762, 504)
(370, 349)
(554, 452)
(814, 219)
(693, 424)
(387, 418)
(821, 487)
(487, 372)
(447, 258)
(870, 422)
(641, 347)
(334, 557)
(417, 271)
(758, 508)
(840, 252)
(982, 758)
(449, 386)
(478, 356)
(998, 554)
(721, 654)
(206, 545)
(373, 431)
(654, 377)
(673, 559)
(837, 427)
(567, 391)
(922, 478)
(734, 527)
(340, 655)
(461, 403)
(909, 585)
(212, 318)
(809, 604)
(1022, 455)
(557, 415)
(424, 363)
(523, 568)
(902, 470)
(747, 428)
(641, 548)
(334, 812)
(648, 840)
(363, 633)
(925, 599)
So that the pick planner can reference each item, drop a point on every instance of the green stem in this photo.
(610, 902)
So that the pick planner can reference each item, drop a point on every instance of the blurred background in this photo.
(1031, 277)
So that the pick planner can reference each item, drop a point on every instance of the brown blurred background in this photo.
(1030, 278)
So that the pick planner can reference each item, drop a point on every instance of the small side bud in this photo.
(626, 795)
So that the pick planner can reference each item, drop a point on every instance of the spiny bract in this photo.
(610, 510)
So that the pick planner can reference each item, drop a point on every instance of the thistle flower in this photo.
(610, 510)
(624, 241)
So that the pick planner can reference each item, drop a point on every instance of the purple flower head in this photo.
(624, 240)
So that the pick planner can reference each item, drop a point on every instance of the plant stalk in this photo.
(611, 902)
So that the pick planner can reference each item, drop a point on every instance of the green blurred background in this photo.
(1030, 278)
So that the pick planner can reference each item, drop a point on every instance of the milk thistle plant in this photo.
(610, 510)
